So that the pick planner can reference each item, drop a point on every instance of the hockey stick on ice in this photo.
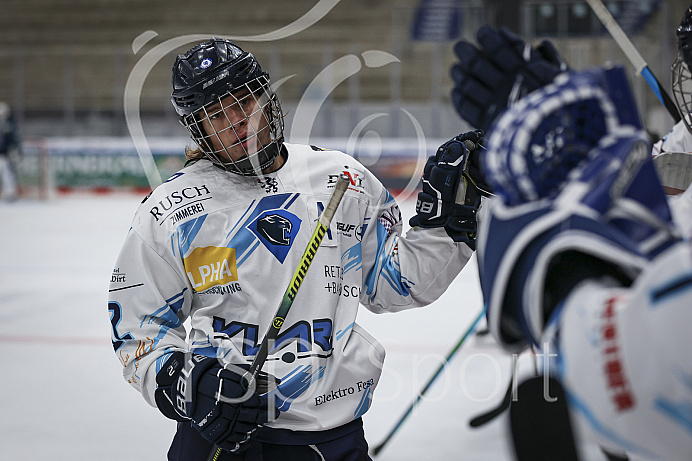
(420, 395)
(296, 281)
(488, 416)
(510, 395)
(485, 418)
(633, 55)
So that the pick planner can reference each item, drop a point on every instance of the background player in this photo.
(680, 137)
(214, 248)
(10, 146)
(675, 165)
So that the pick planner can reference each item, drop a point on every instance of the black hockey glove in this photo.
(217, 401)
(474, 141)
(501, 70)
(450, 198)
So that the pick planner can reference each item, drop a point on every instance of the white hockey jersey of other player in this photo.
(678, 139)
(213, 251)
(624, 357)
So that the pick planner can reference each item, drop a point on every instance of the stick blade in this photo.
(376, 450)
(488, 416)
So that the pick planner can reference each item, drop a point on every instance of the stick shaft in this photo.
(618, 34)
(633, 55)
(293, 287)
(661, 93)
(403, 418)
(461, 188)
(299, 274)
(504, 404)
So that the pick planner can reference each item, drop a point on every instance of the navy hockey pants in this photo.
(345, 443)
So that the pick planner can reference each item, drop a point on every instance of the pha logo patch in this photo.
(276, 230)
(210, 266)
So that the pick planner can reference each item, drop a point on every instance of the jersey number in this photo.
(116, 314)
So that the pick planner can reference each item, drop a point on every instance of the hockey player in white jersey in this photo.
(580, 258)
(673, 153)
(679, 139)
(211, 251)
(10, 147)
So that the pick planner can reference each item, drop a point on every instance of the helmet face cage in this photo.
(680, 70)
(242, 130)
(682, 89)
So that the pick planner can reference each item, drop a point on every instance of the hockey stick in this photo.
(292, 289)
(510, 395)
(437, 373)
(485, 418)
(633, 55)
(488, 416)
(299, 275)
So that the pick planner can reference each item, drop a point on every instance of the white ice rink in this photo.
(62, 395)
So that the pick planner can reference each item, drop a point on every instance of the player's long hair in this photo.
(192, 154)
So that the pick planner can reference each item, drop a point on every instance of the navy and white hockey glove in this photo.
(450, 197)
(501, 70)
(217, 401)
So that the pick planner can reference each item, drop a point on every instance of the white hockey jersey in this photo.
(210, 253)
(624, 356)
(677, 140)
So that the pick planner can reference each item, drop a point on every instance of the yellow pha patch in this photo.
(210, 266)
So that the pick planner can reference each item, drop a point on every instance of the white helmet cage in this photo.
(246, 119)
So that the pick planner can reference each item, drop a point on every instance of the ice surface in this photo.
(62, 395)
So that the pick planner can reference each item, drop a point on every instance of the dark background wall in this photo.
(66, 63)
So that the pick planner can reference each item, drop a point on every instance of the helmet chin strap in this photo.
(254, 164)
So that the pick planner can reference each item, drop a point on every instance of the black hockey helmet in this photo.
(684, 35)
(211, 72)
(680, 70)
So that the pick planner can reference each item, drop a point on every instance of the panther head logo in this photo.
(275, 228)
